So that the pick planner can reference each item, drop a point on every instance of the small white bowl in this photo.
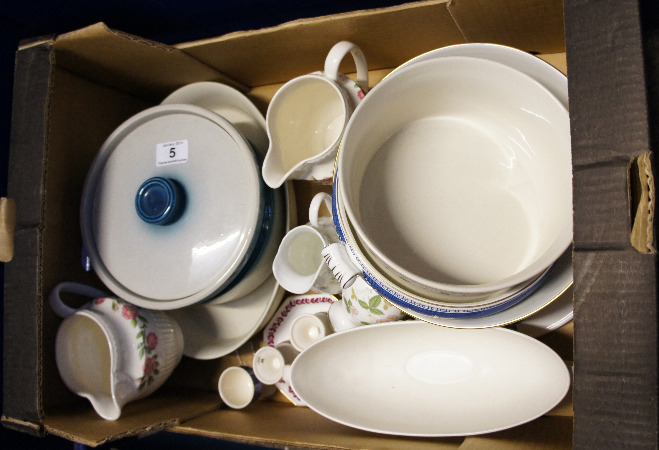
(466, 189)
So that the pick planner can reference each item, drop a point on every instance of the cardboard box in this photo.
(73, 90)
(613, 100)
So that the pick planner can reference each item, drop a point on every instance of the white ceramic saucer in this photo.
(414, 379)
(228, 103)
(553, 316)
(213, 331)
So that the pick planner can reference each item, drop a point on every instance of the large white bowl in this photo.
(456, 176)
(541, 71)
(461, 313)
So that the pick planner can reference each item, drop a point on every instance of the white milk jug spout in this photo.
(307, 116)
(112, 352)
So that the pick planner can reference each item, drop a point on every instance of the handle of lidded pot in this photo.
(314, 207)
(337, 259)
(336, 55)
(58, 305)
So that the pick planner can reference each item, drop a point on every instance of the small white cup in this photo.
(239, 387)
(298, 265)
(309, 328)
(272, 363)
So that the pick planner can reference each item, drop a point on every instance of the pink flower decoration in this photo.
(129, 312)
(150, 366)
(361, 94)
(99, 300)
(152, 341)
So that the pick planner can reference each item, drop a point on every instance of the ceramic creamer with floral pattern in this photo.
(112, 352)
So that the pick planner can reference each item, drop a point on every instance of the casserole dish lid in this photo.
(172, 206)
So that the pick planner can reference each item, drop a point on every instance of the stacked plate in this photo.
(458, 207)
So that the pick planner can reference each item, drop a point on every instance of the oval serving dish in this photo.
(415, 379)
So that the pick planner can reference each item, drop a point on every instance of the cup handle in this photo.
(62, 309)
(314, 207)
(336, 55)
(337, 259)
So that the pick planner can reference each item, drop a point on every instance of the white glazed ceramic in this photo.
(555, 289)
(298, 264)
(239, 110)
(239, 387)
(362, 305)
(112, 352)
(340, 318)
(541, 71)
(212, 331)
(309, 328)
(228, 103)
(272, 364)
(217, 245)
(278, 329)
(430, 381)
(349, 261)
(556, 314)
(467, 188)
(306, 118)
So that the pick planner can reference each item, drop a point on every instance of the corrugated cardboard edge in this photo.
(22, 374)
(7, 226)
(138, 418)
(298, 47)
(22, 426)
(305, 22)
(615, 286)
(120, 59)
(642, 237)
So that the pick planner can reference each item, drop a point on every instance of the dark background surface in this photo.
(166, 21)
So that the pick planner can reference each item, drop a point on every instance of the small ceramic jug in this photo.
(306, 118)
(112, 352)
(298, 265)
(361, 305)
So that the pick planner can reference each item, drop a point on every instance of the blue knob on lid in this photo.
(159, 201)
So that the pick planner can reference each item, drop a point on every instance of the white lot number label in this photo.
(175, 152)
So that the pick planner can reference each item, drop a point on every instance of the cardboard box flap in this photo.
(546, 432)
(535, 26)
(146, 68)
(275, 424)
(299, 47)
(81, 424)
